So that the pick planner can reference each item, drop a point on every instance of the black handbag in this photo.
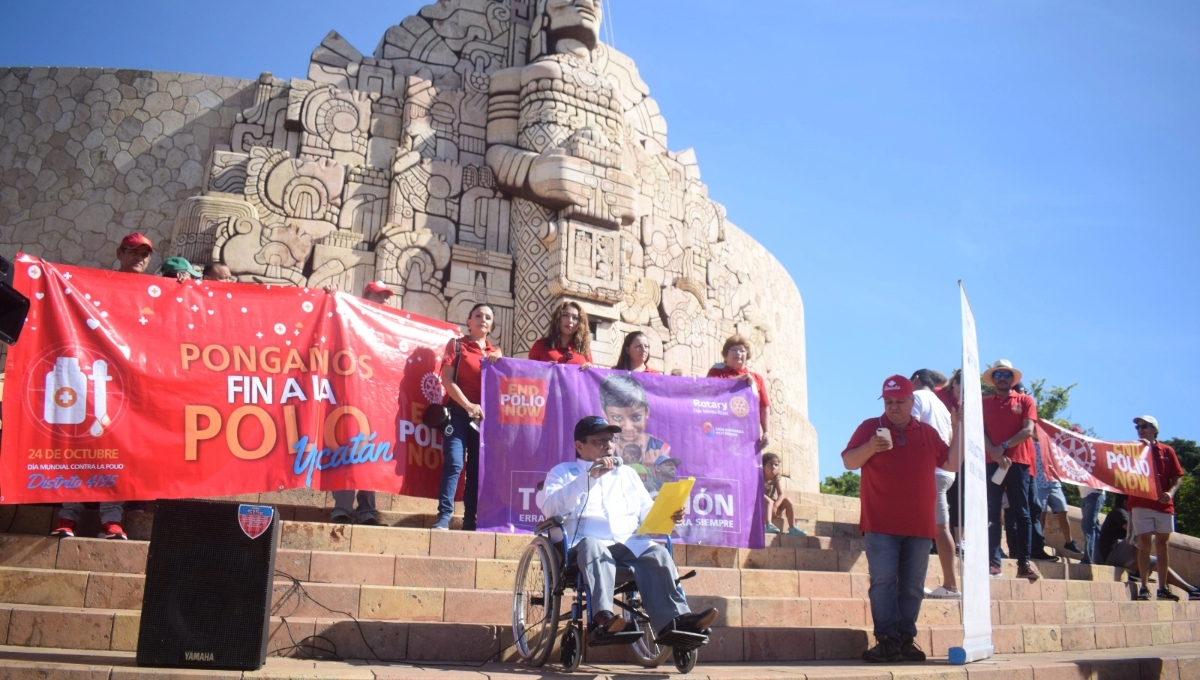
(437, 416)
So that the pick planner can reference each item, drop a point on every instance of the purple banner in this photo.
(673, 428)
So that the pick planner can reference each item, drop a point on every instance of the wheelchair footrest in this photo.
(682, 639)
(625, 637)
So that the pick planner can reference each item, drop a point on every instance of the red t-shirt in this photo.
(764, 401)
(897, 492)
(558, 355)
(470, 369)
(1003, 418)
(1167, 469)
(947, 397)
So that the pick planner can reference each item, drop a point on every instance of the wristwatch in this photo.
(1004, 445)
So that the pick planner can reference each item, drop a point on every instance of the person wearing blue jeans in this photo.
(1090, 502)
(897, 496)
(1009, 425)
(462, 378)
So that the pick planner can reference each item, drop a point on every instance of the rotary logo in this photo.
(1074, 456)
(739, 407)
(431, 388)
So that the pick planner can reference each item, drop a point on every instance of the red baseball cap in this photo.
(897, 387)
(136, 240)
(377, 287)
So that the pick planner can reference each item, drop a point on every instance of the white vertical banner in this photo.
(976, 582)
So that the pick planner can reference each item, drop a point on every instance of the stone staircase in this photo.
(421, 595)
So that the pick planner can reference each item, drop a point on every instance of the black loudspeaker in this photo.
(209, 575)
(14, 307)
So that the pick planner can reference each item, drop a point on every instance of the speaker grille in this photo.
(208, 588)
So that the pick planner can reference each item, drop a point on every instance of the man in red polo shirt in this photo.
(1009, 419)
(133, 257)
(898, 455)
(1155, 517)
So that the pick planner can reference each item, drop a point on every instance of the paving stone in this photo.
(294, 563)
(495, 574)
(710, 581)
(314, 599)
(833, 613)
(315, 536)
(114, 591)
(367, 640)
(391, 541)
(1042, 639)
(1109, 636)
(1051, 612)
(402, 604)
(357, 568)
(1015, 612)
(93, 554)
(126, 625)
(38, 552)
(825, 584)
(62, 627)
(453, 641)
(779, 644)
(1078, 637)
(462, 544)
(776, 611)
(478, 606)
(435, 572)
(42, 587)
(764, 583)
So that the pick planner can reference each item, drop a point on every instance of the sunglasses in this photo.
(1001, 375)
(1142, 426)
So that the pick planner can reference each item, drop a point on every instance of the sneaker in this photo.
(340, 519)
(443, 524)
(63, 528)
(910, 651)
(1166, 594)
(887, 651)
(1143, 594)
(772, 529)
(1026, 570)
(112, 530)
(995, 571)
(943, 593)
(1044, 557)
(797, 531)
(1072, 546)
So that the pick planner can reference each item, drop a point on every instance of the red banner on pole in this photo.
(134, 387)
(1073, 458)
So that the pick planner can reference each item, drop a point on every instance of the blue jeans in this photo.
(1091, 524)
(460, 448)
(897, 566)
(1018, 486)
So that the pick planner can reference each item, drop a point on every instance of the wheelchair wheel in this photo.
(572, 647)
(535, 606)
(647, 653)
(685, 660)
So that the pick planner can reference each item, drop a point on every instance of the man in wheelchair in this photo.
(603, 504)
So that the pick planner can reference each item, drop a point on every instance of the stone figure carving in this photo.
(498, 151)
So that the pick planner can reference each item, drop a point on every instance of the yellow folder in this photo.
(670, 500)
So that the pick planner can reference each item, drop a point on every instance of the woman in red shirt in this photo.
(569, 340)
(462, 376)
(635, 352)
(737, 352)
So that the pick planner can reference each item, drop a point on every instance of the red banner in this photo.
(1073, 458)
(134, 387)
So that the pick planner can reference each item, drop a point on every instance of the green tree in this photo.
(846, 485)
(1187, 507)
(1188, 452)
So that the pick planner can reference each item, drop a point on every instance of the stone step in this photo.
(115, 629)
(463, 560)
(761, 602)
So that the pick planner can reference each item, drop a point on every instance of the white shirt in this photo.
(927, 408)
(616, 504)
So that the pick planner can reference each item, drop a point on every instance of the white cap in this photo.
(1147, 419)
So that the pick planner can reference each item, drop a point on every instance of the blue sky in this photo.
(1046, 153)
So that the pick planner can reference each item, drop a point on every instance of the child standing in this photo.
(777, 504)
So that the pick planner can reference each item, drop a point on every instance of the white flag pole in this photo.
(976, 583)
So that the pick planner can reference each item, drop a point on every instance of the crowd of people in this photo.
(909, 460)
(567, 341)
(910, 465)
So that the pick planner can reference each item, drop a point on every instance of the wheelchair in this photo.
(545, 573)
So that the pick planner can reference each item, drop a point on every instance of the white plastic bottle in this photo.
(66, 393)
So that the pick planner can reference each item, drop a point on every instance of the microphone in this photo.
(598, 465)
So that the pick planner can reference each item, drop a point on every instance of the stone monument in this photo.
(488, 150)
